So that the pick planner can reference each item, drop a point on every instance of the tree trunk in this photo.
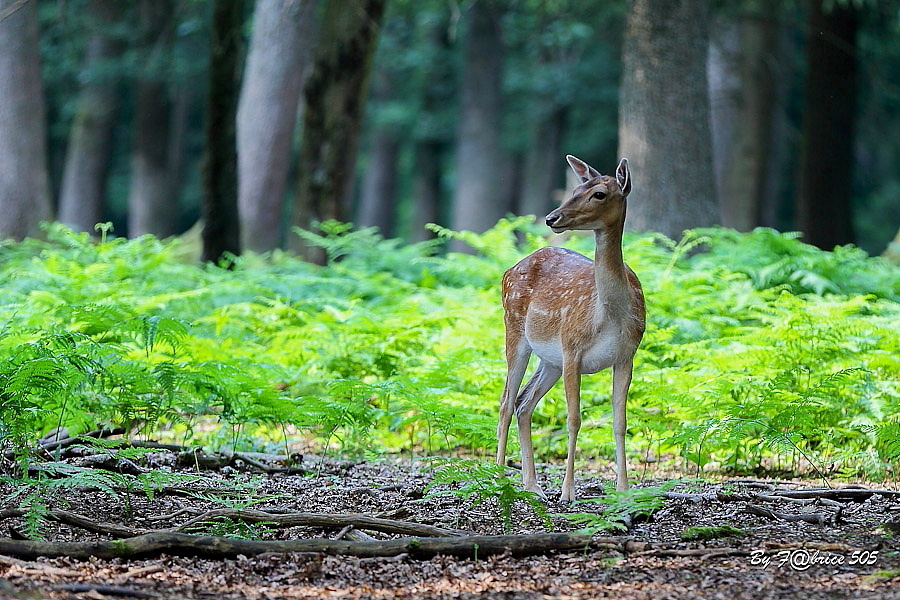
(221, 227)
(544, 167)
(742, 161)
(278, 62)
(722, 68)
(24, 182)
(476, 201)
(427, 187)
(783, 136)
(152, 207)
(335, 95)
(826, 168)
(432, 137)
(89, 152)
(664, 116)
(378, 197)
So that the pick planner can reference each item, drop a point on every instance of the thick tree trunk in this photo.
(664, 116)
(427, 187)
(783, 137)
(477, 204)
(378, 197)
(544, 167)
(152, 207)
(335, 95)
(88, 155)
(278, 62)
(742, 158)
(432, 138)
(221, 227)
(722, 69)
(826, 167)
(24, 183)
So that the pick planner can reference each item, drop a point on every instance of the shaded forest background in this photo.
(259, 116)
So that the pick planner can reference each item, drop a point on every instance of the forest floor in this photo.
(853, 553)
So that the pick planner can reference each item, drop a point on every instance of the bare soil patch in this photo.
(853, 552)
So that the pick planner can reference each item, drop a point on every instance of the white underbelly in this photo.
(601, 354)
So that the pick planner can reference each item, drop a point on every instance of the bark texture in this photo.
(278, 62)
(152, 206)
(24, 183)
(335, 95)
(477, 203)
(826, 166)
(664, 116)
(378, 197)
(544, 167)
(88, 156)
(221, 227)
(745, 107)
(154, 544)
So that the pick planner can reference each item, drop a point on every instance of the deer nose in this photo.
(551, 219)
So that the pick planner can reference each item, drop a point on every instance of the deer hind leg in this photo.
(621, 383)
(517, 355)
(572, 381)
(536, 388)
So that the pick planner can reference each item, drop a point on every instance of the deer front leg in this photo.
(539, 384)
(572, 382)
(621, 383)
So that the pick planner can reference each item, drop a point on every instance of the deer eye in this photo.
(598, 195)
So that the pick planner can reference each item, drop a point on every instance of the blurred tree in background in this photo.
(395, 114)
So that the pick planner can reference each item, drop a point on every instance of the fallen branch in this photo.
(846, 494)
(326, 520)
(51, 445)
(154, 544)
(82, 522)
(815, 518)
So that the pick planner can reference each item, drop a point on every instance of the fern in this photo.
(478, 482)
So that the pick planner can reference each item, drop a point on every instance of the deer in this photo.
(577, 316)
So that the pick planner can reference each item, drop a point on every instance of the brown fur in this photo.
(578, 316)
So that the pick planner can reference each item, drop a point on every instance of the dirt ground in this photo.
(856, 555)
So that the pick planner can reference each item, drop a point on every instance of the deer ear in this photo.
(623, 177)
(584, 171)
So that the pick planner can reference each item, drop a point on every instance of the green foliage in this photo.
(617, 506)
(760, 352)
(478, 481)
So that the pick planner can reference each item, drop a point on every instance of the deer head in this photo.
(598, 202)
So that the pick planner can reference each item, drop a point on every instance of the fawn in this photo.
(577, 315)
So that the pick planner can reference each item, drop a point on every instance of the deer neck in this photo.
(609, 268)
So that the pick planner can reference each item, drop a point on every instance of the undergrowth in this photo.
(760, 352)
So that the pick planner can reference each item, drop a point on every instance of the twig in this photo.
(270, 469)
(71, 441)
